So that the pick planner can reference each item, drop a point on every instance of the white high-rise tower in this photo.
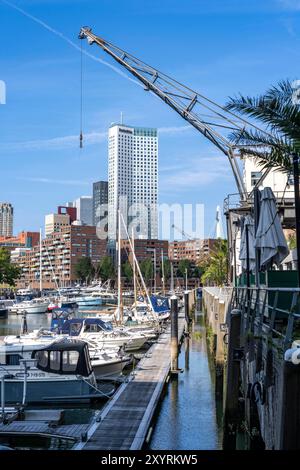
(133, 179)
(6, 219)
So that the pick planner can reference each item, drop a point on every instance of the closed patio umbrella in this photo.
(248, 222)
(270, 238)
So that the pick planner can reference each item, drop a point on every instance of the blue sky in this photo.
(217, 47)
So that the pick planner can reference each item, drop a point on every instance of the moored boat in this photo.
(59, 370)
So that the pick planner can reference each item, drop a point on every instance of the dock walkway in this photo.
(124, 422)
(34, 428)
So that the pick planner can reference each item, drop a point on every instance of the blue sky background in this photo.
(217, 47)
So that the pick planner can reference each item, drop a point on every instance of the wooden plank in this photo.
(124, 422)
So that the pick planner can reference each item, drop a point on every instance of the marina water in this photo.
(187, 417)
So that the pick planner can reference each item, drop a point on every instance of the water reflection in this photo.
(187, 415)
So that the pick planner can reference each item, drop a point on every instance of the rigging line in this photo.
(81, 95)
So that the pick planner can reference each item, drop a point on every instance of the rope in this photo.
(81, 96)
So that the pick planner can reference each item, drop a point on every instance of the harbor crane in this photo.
(212, 120)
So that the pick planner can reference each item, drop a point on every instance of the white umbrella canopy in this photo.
(270, 238)
(248, 222)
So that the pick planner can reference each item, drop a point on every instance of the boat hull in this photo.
(3, 313)
(110, 369)
(42, 391)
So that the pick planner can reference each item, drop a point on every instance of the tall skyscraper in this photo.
(6, 219)
(84, 206)
(100, 198)
(132, 176)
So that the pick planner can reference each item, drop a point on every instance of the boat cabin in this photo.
(64, 358)
(76, 326)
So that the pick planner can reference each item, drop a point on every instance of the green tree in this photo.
(197, 271)
(280, 116)
(9, 272)
(215, 266)
(127, 271)
(84, 269)
(146, 267)
(182, 266)
(292, 242)
(106, 268)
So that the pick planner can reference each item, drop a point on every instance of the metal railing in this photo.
(271, 313)
(234, 201)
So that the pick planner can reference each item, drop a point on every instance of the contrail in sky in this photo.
(69, 41)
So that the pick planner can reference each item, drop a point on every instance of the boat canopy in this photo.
(59, 316)
(75, 326)
(64, 358)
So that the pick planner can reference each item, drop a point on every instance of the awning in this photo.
(270, 238)
(248, 222)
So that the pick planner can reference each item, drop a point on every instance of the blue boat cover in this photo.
(160, 304)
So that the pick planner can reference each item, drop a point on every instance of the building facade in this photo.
(71, 211)
(55, 222)
(133, 179)
(280, 182)
(84, 207)
(100, 199)
(61, 251)
(152, 249)
(22, 240)
(6, 219)
(193, 250)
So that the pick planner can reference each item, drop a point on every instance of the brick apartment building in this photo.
(60, 253)
(193, 250)
(146, 249)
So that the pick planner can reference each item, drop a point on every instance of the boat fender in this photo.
(289, 353)
(296, 357)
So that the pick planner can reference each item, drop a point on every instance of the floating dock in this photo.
(124, 422)
(34, 428)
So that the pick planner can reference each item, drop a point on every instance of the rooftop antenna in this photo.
(122, 118)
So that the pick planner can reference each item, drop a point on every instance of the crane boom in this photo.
(189, 104)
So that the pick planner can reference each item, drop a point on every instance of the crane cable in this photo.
(81, 97)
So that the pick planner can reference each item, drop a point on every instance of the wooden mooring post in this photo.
(187, 309)
(289, 437)
(174, 333)
(231, 410)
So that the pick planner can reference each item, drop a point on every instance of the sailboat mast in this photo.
(172, 278)
(119, 267)
(134, 269)
(163, 271)
(41, 279)
(139, 269)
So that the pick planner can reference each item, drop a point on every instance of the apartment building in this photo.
(193, 250)
(61, 251)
